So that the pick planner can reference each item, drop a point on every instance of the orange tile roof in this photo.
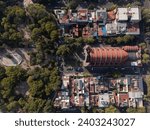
(111, 15)
(130, 48)
(107, 56)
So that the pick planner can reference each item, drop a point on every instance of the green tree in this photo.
(119, 40)
(116, 74)
(128, 38)
(49, 27)
(13, 106)
(143, 45)
(37, 105)
(17, 73)
(146, 58)
(147, 80)
(97, 110)
(146, 20)
(44, 33)
(15, 15)
(2, 72)
(48, 106)
(37, 12)
(36, 32)
(43, 81)
(7, 87)
(136, 110)
(55, 82)
(39, 57)
(54, 35)
(89, 40)
(35, 87)
(111, 109)
(2, 8)
(83, 109)
(113, 6)
(63, 50)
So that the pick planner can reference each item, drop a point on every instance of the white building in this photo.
(122, 14)
(65, 82)
(26, 3)
(136, 99)
(131, 14)
(104, 100)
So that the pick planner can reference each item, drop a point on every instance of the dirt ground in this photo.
(26, 58)
(22, 56)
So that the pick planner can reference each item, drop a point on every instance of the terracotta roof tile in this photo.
(108, 56)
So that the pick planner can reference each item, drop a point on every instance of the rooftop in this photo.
(82, 15)
(136, 94)
(26, 3)
(133, 29)
(102, 56)
(111, 15)
(101, 91)
(101, 15)
(132, 14)
(98, 22)
(104, 100)
(112, 56)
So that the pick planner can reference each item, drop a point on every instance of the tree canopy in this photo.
(111, 109)
(42, 82)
